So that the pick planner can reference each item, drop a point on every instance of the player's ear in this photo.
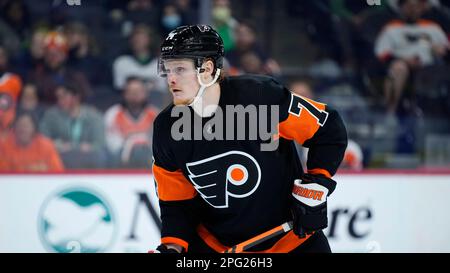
(208, 67)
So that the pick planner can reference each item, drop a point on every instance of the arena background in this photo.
(86, 185)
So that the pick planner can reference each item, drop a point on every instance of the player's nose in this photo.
(171, 79)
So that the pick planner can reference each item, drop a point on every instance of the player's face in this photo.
(182, 80)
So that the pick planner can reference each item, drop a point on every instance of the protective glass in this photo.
(180, 68)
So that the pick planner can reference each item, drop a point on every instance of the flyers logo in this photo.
(233, 174)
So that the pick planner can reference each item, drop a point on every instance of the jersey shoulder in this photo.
(251, 80)
(259, 89)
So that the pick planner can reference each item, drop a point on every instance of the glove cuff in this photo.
(311, 194)
(326, 182)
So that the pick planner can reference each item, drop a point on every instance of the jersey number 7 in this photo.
(298, 103)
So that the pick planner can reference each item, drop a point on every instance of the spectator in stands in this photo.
(123, 16)
(188, 12)
(31, 58)
(246, 42)
(349, 17)
(170, 18)
(8, 39)
(129, 126)
(353, 157)
(439, 13)
(140, 62)
(10, 87)
(26, 150)
(83, 54)
(406, 45)
(76, 129)
(251, 63)
(16, 15)
(10, 30)
(318, 26)
(224, 23)
(142, 12)
(302, 87)
(56, 72)
(230, 70)
(29, 101)
(374, 19)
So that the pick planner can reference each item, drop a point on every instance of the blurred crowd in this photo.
(79, 87)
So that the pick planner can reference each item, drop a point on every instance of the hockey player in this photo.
(214, 194)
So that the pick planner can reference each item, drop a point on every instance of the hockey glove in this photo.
(163, 249)
(310, 203)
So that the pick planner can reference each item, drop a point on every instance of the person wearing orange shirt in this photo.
(129, 124)
(26, 150)
(10, 87)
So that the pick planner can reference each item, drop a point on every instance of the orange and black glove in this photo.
(310, 203)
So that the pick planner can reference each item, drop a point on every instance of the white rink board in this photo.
(367, 213)
(409, 213)
(23, 198)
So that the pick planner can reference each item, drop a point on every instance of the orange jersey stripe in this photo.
(175, 240)
(287, 243)
(303, 126)
(172, 186)
(210, 239)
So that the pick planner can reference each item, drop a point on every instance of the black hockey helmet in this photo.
(196, 42)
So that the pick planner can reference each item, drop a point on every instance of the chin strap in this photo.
(203, 86)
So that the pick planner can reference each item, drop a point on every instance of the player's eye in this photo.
(179, 70)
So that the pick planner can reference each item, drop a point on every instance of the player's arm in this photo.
(321, 129)
(177, 202)
(177, 197)
(312, 124)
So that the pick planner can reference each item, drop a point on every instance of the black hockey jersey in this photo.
(230, 189)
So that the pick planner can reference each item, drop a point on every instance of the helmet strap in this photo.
(203, 86)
